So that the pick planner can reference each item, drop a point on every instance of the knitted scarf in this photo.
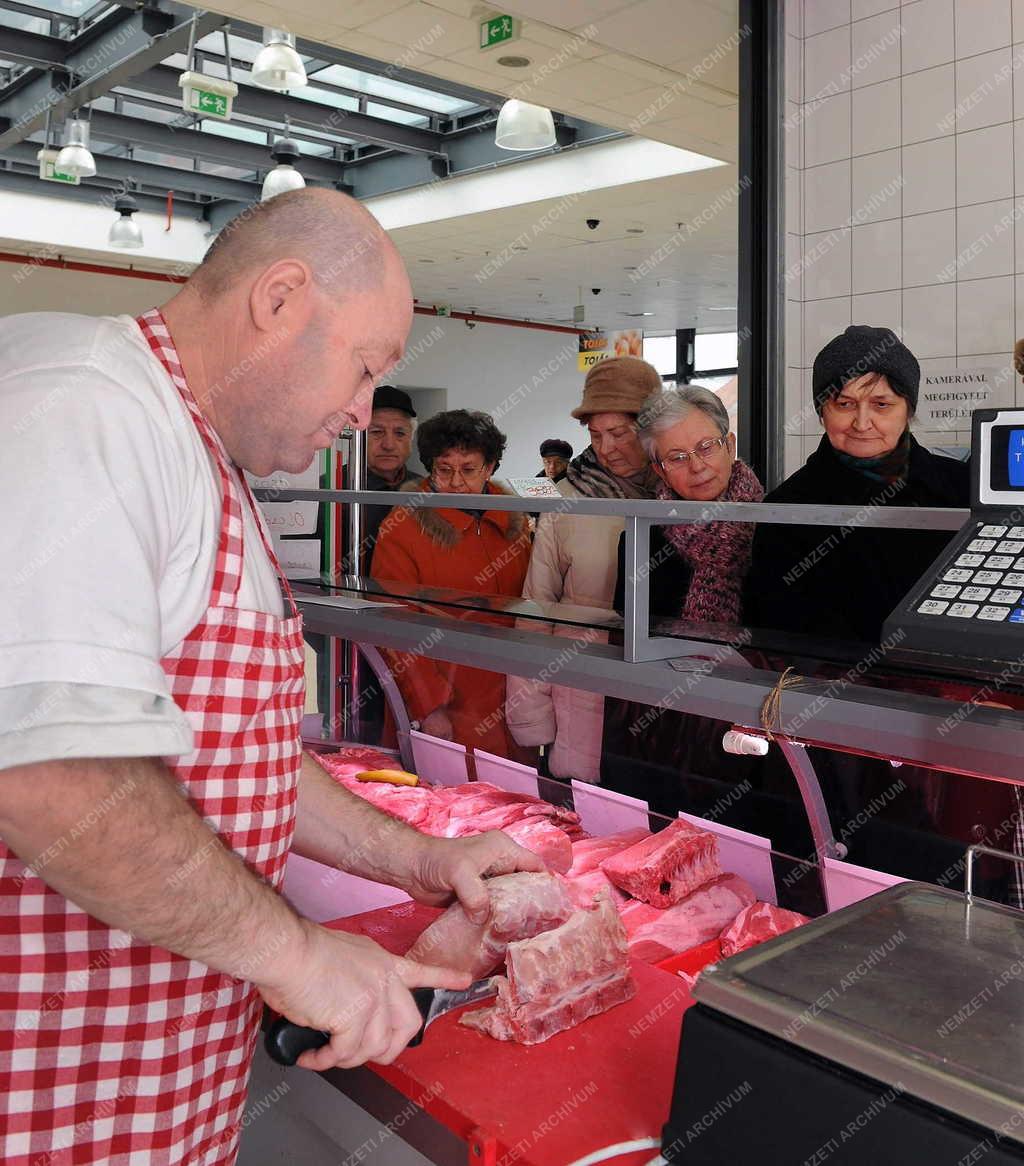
(889, 467)
(718, 553)
(592, 480)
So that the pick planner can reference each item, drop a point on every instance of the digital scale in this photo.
(968, 600)
(888, 1033)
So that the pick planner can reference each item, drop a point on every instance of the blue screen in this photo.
(1015, 458)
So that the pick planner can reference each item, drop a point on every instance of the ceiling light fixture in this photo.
(522, 126)
(284, 176)
(76, 159)
(515, 62)
(278, 65)
(125, 232)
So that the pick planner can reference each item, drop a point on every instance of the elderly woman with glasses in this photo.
(697, 571)
(696, 574)
(483, 551)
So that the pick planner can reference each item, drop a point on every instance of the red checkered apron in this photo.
(112, 1050)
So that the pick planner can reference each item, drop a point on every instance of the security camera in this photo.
(595, 291)
(470, 324)
(593, 224)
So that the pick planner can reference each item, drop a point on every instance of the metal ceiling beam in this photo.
(189, 143)
(336, 56)
(253, 102)
(134, 43)
(150, 174)
(32, 48)
(92, 191)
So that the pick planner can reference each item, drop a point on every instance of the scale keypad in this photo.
(986, 582)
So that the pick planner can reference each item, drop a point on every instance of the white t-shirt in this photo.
(112, 509)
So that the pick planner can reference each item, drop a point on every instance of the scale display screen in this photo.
(1007, 459)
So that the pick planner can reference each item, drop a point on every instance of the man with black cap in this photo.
(556, 455)
(842, 582)
(388, 446)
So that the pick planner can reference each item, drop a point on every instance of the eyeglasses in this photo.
(446, 474)
(702, 451)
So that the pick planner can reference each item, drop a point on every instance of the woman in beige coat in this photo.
(574, 562)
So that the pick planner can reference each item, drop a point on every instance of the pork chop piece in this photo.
(666, 867)
(542, 837)
(589, 853)
(757, 924)
(522, 905)
(560, 978)
(655, 933)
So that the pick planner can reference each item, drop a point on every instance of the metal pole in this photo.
(355, 554)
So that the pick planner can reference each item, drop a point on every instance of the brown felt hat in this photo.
(620, 384)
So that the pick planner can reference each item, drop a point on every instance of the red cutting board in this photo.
(608, 1080)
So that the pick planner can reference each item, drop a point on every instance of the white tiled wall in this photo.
(904, 186)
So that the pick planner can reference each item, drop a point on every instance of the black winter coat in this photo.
(843, 582)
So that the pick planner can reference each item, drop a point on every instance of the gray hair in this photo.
(663, 410)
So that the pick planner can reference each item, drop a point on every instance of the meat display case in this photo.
(921, 713)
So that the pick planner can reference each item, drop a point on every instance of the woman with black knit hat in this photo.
(842, 582)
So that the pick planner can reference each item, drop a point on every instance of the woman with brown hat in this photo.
(574, 560)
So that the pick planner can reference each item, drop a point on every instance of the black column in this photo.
(761, 239)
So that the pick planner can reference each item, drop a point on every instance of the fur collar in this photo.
(442, 530)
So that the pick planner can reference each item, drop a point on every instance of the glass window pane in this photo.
(716, 350)
(661, 352)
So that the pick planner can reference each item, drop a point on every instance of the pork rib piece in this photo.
(585, 877)
(655, 934)
(666, 867)
(560, 978)
(522, 905)
(757, 924)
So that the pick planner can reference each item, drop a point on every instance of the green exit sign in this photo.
(498, 31)
(212, 104)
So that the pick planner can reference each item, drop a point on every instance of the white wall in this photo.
(904, 187)
(48, 227)
(526, 378)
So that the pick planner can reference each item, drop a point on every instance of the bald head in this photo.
(344, 246)
(301, 305)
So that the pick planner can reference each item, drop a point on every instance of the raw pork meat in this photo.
(542, 838)
(757, 924)
(666, 867)
(655, 934)
(584, 888)
(589, 853)
(585, 877)
(560, 978)
(522, 905)
(461, 810)
(478, 806)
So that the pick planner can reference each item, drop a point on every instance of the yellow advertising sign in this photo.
(598, 346)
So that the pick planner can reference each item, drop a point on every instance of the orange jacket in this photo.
(455, 550)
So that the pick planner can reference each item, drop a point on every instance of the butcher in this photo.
(152, 781)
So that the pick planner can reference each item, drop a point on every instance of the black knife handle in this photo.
(424, 998)
(286, 1042)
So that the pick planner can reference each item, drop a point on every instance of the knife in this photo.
(285, 1041)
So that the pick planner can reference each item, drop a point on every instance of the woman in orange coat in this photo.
(482, 551)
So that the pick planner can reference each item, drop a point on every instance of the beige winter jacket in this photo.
(574, 561)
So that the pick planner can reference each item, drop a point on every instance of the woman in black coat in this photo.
(842, 582)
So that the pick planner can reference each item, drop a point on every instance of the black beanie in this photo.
(554, 447)
(861, 350)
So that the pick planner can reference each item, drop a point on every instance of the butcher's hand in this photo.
(444, 869)
(349, 986)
